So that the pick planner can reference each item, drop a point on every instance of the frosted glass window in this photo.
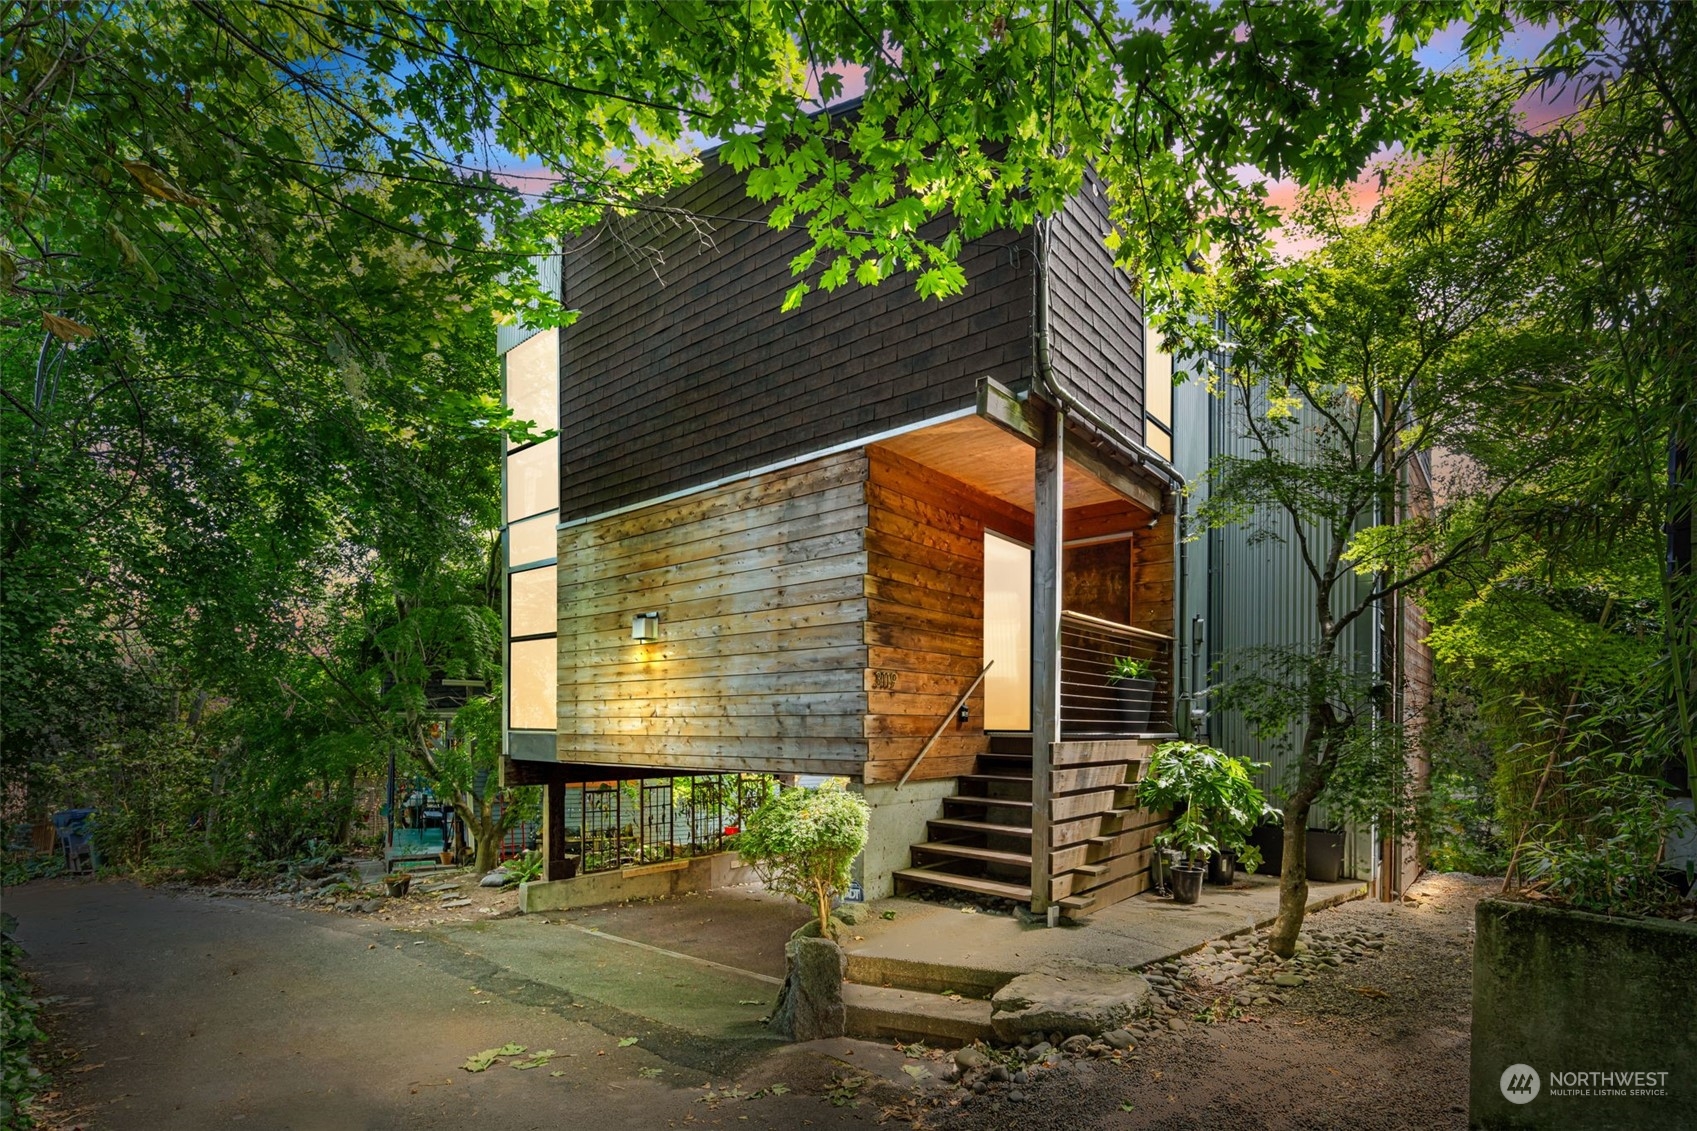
(1007, 634)
(532, 595)
(532, 540)
(1157, 396)
(530, 684)
(533, 380)
(533, 480)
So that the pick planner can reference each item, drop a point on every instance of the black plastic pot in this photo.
(1270, 839)
(1136, 703)
(1221, 867)
(1325, 856)
(1187, 883)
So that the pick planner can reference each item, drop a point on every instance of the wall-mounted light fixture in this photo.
(645, 626)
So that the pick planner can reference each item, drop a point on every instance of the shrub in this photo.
(19, 1034)
(803, 841)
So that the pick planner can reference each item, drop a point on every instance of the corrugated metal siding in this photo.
(548, 276)
(1258, 592)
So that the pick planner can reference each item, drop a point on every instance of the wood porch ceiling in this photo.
(983, 455)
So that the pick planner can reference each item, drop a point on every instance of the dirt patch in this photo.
(1377, 1042)
(446, 896)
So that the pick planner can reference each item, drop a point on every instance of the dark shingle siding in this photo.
(670, 382)
(1095, 322)
(683, 370)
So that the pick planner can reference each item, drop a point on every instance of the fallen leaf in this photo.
(627, 1042)
(540, 1058)
(750, 1001)
(648, 1073)
(556, 1072)
(481, 1061)
(917, 1071)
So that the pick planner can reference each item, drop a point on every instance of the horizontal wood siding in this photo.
(1096, 325)
(1100, 843)
(682, 369)
(762, 657)
(925, 613)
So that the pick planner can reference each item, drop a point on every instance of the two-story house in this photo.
(897, 541)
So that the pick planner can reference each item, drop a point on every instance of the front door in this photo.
(1007, 634)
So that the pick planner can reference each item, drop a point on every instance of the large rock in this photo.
(810, 1004)
(1075, 1000)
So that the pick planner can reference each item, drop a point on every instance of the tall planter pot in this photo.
(1135, 704)
(1222, 866)
(1187, 883)
(1325, 856)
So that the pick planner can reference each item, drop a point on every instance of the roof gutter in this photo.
(1049, 387)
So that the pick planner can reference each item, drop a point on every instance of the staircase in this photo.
(982, 842)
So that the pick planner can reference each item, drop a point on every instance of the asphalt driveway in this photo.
(192, 1012)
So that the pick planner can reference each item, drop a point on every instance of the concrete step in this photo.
(910, 1015)
(890, 972)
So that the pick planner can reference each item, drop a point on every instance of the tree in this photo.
(1343, 376)
(802, 843)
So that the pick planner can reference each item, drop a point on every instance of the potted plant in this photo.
(1134, 681)
(1217, 800)
(1190, 837)
(397, 883)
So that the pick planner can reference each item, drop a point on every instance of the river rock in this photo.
(1085, 1000)
(495, 879)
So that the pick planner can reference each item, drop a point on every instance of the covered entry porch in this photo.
(1020, 575)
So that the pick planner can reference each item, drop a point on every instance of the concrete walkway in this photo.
(977, 953)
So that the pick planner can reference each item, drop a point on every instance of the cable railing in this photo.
(1115, 679)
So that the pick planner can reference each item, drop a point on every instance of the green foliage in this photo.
(1126, 667)
(803, 841)
(20, 1080)
(524, 868)
(1221, 804)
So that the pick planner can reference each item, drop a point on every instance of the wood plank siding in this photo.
(762, 657)
(1100, 843)
(1096, 325)
(925, 613)
(681, 368)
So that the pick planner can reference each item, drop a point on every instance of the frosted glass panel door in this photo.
(1007, 634)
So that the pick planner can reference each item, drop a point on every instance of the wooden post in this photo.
(554, 831)
(1045, 647)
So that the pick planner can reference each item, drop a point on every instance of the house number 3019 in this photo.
(883, 681)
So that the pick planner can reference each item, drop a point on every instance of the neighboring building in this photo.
(1240, 592)
(878, 538)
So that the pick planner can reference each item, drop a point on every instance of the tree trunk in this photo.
(478, 814)
(1293, 880)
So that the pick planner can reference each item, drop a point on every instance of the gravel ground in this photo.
(1377, 1041)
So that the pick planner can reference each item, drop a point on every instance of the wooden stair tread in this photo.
(961, 825)
(968, 799)
(926, 875)
(1091, 869)
(996, 777)
(973, 852)
(1076, 902)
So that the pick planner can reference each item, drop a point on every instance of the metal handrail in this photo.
(938, 733)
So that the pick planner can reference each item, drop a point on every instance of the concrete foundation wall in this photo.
(898, 822)
(650, 881)
(1564, 992)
